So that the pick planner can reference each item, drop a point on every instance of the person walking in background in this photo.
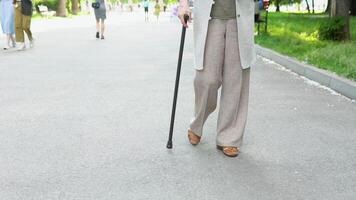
(130, 2)
(224, 52)
(23, 14)
(146, 5)
(100, 17)
(174, 13)
(164, 7)
(157, 9)
(7, 22)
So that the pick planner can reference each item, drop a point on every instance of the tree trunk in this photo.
(278, 9)
(61, 9)
(328, 7)
(75, 7)
(308, 7)
(353, 7)
(333, 4)
(313, 6)
(341, 8)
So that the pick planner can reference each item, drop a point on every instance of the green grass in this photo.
(296, 35)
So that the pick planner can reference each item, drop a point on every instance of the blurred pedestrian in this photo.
(164, 7)
(8, 22)
(157, 9)
(174, 13)
(130, 2)
(23, 15)
(121, 6)
(146, 5)
(100, 17)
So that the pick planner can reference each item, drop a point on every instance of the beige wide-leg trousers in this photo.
(222, 67)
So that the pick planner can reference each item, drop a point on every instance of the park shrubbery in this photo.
(332, 29)
(51, 4)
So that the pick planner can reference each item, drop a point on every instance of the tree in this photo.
(341, 8)
(75, 7)
(308, 7)
(278, 2)
(328, 7)
(61, 9)
(353, 7)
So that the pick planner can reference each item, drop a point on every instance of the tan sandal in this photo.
(194, 139)
(229, 151)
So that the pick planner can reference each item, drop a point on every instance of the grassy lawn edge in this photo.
(296, 35)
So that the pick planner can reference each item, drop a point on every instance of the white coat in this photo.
(245, 25)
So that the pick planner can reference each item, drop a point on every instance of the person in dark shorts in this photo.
(100, 16)
(146, 5)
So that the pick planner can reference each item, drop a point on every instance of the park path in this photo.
(87, 119)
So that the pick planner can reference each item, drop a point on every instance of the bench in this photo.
(261, 14)
(45, 12)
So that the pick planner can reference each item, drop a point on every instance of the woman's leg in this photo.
(19, 33)
(98, 25)
(13, 42)
(18, 25)
(97, 35)
(26, 26)
(102, 27)
(234, 94)
(7, 45)
(208, 80)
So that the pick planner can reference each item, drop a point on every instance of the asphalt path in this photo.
(82, 118)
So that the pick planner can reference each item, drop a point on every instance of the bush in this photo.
(332, 29)
(51, 4)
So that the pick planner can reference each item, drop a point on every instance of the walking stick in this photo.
(180, 57)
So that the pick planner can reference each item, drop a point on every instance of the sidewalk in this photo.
(83, 119)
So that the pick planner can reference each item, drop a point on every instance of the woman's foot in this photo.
(6, 47)
(21, 47)
(32, 43)
(102, 37)
(229, 151)
(97, 35)
(194, 139)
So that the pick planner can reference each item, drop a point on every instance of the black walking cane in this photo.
(180, 57)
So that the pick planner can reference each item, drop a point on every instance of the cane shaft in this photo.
(176, 87)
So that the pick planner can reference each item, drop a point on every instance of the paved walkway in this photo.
(87, 119)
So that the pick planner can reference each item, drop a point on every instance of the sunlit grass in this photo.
(296, 35)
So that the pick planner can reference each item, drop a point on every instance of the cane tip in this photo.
(169, 145)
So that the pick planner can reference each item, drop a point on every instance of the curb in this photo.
(339, 84)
